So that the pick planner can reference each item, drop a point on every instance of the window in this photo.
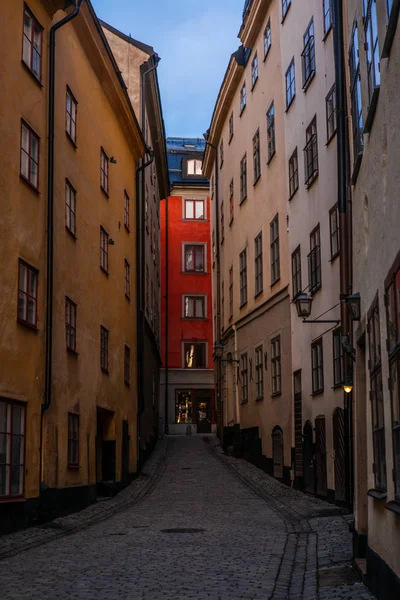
(376, 395)
(194, 257)
(194, 210)
(230, 293)
(195, 355)
(104, 160)
(290, 84)
(222, 222)
(127, 270)
(70, 208)
(194, 167)
(285, 7)
(221, 154)
(314, 261)
(311, 153)
(126, 210)
(327, 8)
(244, 378)
(29, 155)
(267, 38)
(296, 272)
(256, 156)
(355, 92)
(194, 307)
(243, 277)
(254, 70)
(293, 174)
(32, 44)
(73, 440)
(338, 371)
(271, 131)
(275, 258)
(231, 202)
(317, 362)
(372, 46)
(389, 6)
(330, 102)
(243, 178)
(308, 55)
(70, 324)
(393, 346)
(276, 365)
(12, 449)
(183, 407)
(104, 349)
(243, 98)
(258, 264)
(70, 115)
(334, 231)
(259, 373)
(127, 366)
(27, 294)
(231, 128)
(103, 249)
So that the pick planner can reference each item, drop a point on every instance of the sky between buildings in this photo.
(195, 39)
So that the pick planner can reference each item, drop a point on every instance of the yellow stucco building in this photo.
(68, 405)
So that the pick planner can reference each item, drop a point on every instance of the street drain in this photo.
(182, 530)
(336, 576)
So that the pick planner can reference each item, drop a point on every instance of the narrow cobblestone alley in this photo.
(210, 527)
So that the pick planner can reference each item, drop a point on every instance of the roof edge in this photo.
(140, 45)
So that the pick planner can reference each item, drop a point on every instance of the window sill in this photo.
(315, 289)
(230, 222)
(356, 169)
(328, 141)
(307, 84)
(74, 467)
(194, 273)
(28, 325)
(377, 494)
(311, 180)
(271, 157)
(290, 104)
(31, 73)
(127, 384)
(71, 140)
(104, 192)
(9, 499)
(391, 29)
(241, 110)
(327, 32)
(243, 200)
(275, 394)
(71, 233)
(222, 241)
(393, 506)
(73, 352)
(284, 16)
(244, 402)
(230, 138)
(254, 84)
(258, 294)
(275, 282)
(260, 399)
(257, 180)
(266, 53)
(104, 271)
(194, 319)
(371, 110)
(221, 165)
(25, 180)
(195, 220)
(243, 305)
(105, 371)
(127, 228)
(334, 257)
(317, 393)
(128, 298)
(293, 195)
(337, 386)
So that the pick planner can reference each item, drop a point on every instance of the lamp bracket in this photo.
(321, 321)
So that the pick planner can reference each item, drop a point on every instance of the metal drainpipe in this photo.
(218, 320)
(141, 252)
(166, 426)
(344, 223)
(50, 225)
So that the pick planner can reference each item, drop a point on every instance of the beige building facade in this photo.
(245, 159)
(373, 45)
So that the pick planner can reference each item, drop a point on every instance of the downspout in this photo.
(50, 225)
(141, 252)
(344, 226)
(218, 321)
(166, 427)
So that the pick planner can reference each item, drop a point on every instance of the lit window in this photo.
(195, 355)
(70, 116)
(183, 407)
(12, 449)
(29, 155)
(32, 44)
(27, 294)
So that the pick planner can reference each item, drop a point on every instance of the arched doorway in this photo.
(320, 456)
(277, 452)
(340, 458)
(308, 458)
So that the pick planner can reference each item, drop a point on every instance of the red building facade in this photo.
(187, 380)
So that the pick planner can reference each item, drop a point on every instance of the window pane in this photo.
(17, 450)
(16, 480)
(199, 355)
(199, 307)
(183, 407)
(189, 259)
(199, 210)
(190, 167)
(4, 470)
(189, 306)
(199, 259)
(189, 209)
(18, 420)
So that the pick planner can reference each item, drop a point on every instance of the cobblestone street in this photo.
(250, 537)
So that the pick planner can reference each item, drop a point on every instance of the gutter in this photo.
(50, 224)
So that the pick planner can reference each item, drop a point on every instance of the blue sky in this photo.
(195, 39)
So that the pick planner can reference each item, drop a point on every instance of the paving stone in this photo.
(261, 540)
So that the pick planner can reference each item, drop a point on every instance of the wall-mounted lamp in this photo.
(111, 242)
(354, 304)
(218, 352)
(113, 161)
(348, 386)
(304, 304)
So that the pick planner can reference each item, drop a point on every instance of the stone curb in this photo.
(21, 541)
